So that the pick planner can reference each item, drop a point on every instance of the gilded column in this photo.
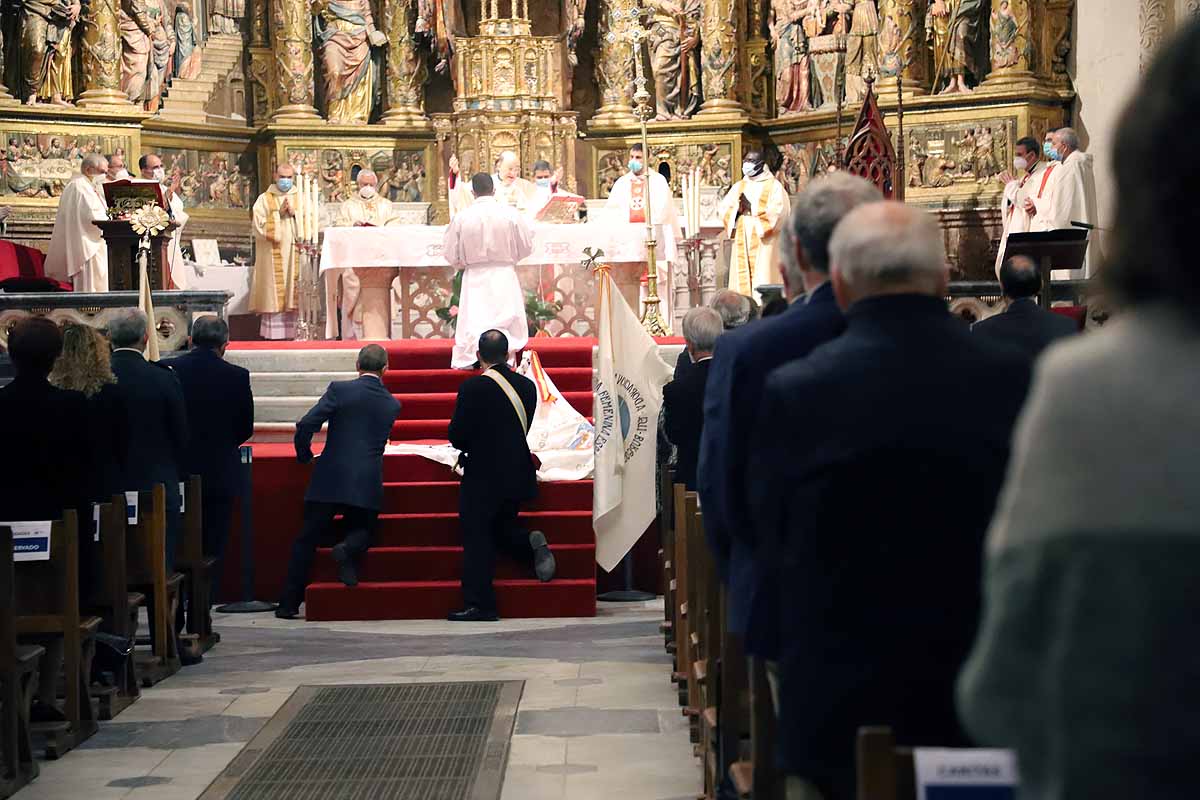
(719, 37)
(614, 64)
(1054, 43)
(292, 31)
(101, 57)
(902, 52)
(406, 66)
(1014, 25)
(258, 23)
(755, 67)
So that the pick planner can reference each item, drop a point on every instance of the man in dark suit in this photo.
(40, 471)
(491, 420)
(220, 409)
(876, 465)
(158, 432)
(683, 398)
(348, 477)
(740, 364)
(1025, 324)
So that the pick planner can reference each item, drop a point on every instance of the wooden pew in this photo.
(682, 633)
(197, 570)
(883, 771)
(18, 680)
(755, 776)
(666, 479)
(146, 559)
(117, 607)
(706, 655)
(47, 604)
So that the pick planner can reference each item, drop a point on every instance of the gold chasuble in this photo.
(274, 288)
(753, 262)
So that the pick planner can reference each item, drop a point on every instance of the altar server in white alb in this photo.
(1028, 194)
(78, 254)
(151, 168)
(1074, 197)
(486, 240)
(754, 212)
(509, 187)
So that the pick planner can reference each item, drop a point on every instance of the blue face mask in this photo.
(542, 182)
(1055, 155)
(1049, 150)
(635, 165)
(284, 184)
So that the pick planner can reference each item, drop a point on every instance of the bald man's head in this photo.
(887, 248)
(509, 168)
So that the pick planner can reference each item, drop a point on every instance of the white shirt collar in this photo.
(129, 350)
(371, 375)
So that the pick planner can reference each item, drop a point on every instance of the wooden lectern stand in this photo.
(123, 242)
(1060, 249)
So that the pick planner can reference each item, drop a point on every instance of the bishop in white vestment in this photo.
(753, 225)
(1074, 198)
(78, 253)
(634, 192)
(366, 207)
(1027, 202)
(510, 188)
(486, 240)
(273, 289)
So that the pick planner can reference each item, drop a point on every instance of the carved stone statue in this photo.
(142, 49)
(794, 87)
(954, 26)
(225, 16)
(187, 46)
(39, 52)
(674, 43)
(862, 48)
(346, 33)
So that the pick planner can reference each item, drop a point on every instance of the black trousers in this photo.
(216, 516)
(488, 525)
(357, 528)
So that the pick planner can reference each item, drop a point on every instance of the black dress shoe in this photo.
(544, 565)
(472, 614)
(345, 566)
(189, 660)
(283, 612)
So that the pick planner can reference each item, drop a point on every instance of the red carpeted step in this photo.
(435, 353)
(443, 497)
(567, 379)
(436, 599)
(381, 564)
(440, 405)
(416, 430)
(442, 530)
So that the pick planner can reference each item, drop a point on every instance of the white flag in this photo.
(628, 396)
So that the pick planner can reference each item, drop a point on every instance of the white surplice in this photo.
(1074, 200)
(179, 274)
(629, 195)
(486, 240)
(519, 194)
(753, 263)
(355, 210)
(1038, 185)
(77, 251)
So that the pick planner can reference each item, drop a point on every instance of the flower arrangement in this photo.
(537, 310)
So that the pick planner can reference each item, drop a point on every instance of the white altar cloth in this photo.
(421, 245)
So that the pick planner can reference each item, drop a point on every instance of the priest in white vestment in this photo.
(365, 208)
(116, 167)
(273, 289)
(151, 168)
(510, 188)
(1028, 194)
(634, 192)
(754, 212)
(486, 240)
(1074, 198)
(78, 253)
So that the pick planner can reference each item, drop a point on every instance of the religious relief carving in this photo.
(258, 22)
(862, 46)
(802, 161)
(713, 161)
(262, 84)
(757, 67)
(901, 44)
(39, 37)
(401, 173)
(1053, 42)
(209, 179)
(1013, 29)
(673, 40)
(953, 28)
(967, 155)
(186, 62)
(225, 16)
(346, 33)
(1152, 26)
(41, 164)
(292, 36)
(146, 49)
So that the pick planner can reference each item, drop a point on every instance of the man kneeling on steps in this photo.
(348, 477)
(491, 419)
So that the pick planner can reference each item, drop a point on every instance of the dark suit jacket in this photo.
(1027, 326)
(43, 428)
(220, 409)
(682, 364)
(740, 364)
(683, 419)
(108, 456)
(876, 470)
(158, 432)
(485, 428)
(350, 470)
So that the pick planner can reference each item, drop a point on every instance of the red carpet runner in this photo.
(413, 569)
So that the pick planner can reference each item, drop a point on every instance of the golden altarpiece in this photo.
(232, 87)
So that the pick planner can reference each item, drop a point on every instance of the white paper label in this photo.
(95, 522)
(966, 774)
(31, 540)
(182, 497)
(131, 507)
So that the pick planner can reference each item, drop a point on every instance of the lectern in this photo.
(1059, 249)
(123, 242)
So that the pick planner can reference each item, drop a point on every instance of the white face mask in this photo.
(1020, 164)
(100, 179)
(160, 174)
(366, 192)
(749, 170)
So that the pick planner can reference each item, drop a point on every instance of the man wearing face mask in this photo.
(273, 292)
(151, 168)
(1074, 198)
(77, 253)
(510, 188)
(1027, 194)
(116, 167)
(545, 180)
(365, 207)
(754, 211)
(632, 193)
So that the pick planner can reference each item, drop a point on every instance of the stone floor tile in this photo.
(586, 722)
(526, 751)
(198, 762)
(154, 708)
(526, 783)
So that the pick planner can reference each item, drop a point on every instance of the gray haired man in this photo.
(683, 398)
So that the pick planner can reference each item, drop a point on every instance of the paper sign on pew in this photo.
(965, 774)
(95, 522)
(182, 497)
(31, 540)
(131, 508)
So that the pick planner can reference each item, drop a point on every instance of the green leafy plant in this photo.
(537, 311)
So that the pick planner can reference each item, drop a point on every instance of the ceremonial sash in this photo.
(638, 199)
(1045, 177)
(517, 405)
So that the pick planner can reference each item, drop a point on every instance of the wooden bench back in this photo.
(145, 540)
(46, 593)
(8, 628)
(884, 771)
(191, 549)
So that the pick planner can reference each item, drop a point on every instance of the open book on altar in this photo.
(127, 195)
(562, 207)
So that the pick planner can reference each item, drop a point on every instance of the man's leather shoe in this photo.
(189, 660)
(472, 614)
(544, 565)
(345, 565)
(283, 612)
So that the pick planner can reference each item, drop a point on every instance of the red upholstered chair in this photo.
(21, 268)
(1077, 313)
